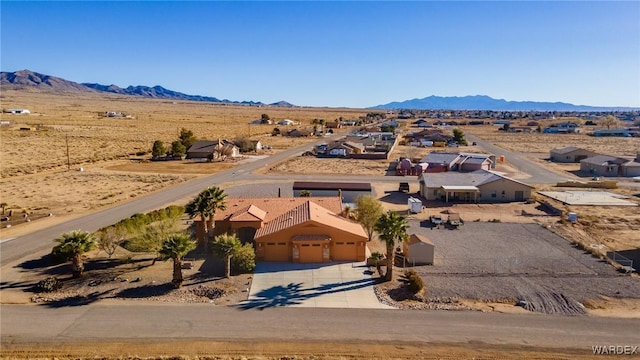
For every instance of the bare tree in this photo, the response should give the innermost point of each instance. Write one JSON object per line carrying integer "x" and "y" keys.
{"x": 111, "y": 238}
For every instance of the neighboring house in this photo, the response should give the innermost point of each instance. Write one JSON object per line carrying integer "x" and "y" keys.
{"x": 521, "y": 129}
{"x": 428, "y": 134}
{"x": 418, "y": 250}
{"x": 604, "y": 165}
{"x": 257, "y": 145}
{"x": 293, "y": 229}
{"x": 476, "y": 186}
{"x": 570, "y": 154}
{"x": 345, "y": 148}
{"x": 19, "y": 111}
{"x": 333, "y": 125}
{"x": 299, "y": 133}
{"x": 616, "y": 132}
{"x": 563, "y": 128}
{"x": 209, "y": 149}
{"x": 285, "y": 122}
{"x": 444, "y": 161}
{"x": 348, "y": 191}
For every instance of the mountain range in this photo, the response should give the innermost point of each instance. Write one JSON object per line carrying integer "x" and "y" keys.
{"x": 26, "y": 79}
{"x": 483, "y": 102}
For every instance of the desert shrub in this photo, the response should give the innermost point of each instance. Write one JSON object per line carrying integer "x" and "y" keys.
{"x": 59, "y": 255}
{"x": 48, "y": 285}
{"x": 243, "y": 259}
{"x": 495, "y": 220}
{"x": 414, "y": 281}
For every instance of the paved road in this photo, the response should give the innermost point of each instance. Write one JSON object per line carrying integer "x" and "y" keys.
{"x": 112, "y": 322}
{"x": 539, "y": 174}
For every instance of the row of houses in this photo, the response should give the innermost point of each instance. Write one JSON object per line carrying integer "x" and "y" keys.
{"x": 595, "y": 164}
{"x": 362, "y": 145}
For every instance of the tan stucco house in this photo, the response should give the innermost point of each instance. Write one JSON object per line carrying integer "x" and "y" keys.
{"x": 476, "y": 186}
{"x": 297, "y": 229}
{"x": 570, "y": 154}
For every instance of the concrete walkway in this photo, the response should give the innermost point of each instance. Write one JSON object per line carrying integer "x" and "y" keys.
{"x": 336, "y": 285}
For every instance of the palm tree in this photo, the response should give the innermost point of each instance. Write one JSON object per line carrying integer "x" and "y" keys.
{"x": 72, "y": 245}
{"x": 391, "y": 227}
{"x": 205, "y": 205}
{"x": 175, "y": 247}
{"x": 224, "y": 246}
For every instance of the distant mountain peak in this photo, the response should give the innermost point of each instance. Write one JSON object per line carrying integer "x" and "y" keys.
{"x": 485, "y": 102}
{"x": 26, "y": 79}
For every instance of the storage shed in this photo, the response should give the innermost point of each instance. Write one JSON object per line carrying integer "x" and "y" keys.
{"x": 418, "y": 250}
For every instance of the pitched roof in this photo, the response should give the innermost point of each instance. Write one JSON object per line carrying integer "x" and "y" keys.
{"x": 273, "y": 207}
{"x": 565, "y": 150}
{"x": 416, "y": 239}
{"x": 203, "y": 145}
{"x": 309, "y": 211}
{"x": 605, "y": 160}
{"x": 440, "y": 158}
{"x": 249, "y": 213}
{"x": 454, "y": 178}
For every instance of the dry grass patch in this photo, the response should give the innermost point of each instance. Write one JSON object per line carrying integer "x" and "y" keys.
{"x": 62, "y": 192}
{"x": 544, "y": 143}
{"x": 95, "y": 138}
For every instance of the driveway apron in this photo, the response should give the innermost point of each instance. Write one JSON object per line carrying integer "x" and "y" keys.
{"x": 336, "y": 285}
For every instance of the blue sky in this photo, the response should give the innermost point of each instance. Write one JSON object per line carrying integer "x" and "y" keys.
{"x": 354, "y": 54}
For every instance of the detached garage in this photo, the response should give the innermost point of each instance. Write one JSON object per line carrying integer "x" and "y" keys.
{"x": 418, "y": 250}
{"x": 310, "y": 233}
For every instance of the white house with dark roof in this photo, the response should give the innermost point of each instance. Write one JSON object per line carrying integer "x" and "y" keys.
{"x": 444, "y": 161}
{"x": 475, "y": 186}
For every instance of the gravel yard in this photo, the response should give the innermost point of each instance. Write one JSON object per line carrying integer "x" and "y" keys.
{"x": 501, "y": 261}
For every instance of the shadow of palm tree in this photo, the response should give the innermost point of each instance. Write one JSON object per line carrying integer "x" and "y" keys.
{"x": 145, "y": 291}
{"x": 29, "y": 286}
{"x": 276, "y": 296}
{"x": 293, "y": 294}
{"x": 78, "y": 300}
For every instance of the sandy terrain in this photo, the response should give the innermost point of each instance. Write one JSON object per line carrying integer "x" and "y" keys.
{"x": 544, "y": 143}
{"x": 93, "y": 137}
{"x": 64, "y": 193}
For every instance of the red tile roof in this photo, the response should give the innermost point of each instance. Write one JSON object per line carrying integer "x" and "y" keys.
{"x": 274, "y": 207}
{"x": 310, "y": 211}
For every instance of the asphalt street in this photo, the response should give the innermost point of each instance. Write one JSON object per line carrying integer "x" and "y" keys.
{"x": 539, "y": 174}
{"x": 134, "y": 322}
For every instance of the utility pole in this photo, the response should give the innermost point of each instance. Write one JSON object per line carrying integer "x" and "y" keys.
{"x": 66, "y": 139}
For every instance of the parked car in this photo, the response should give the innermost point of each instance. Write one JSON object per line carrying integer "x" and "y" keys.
{"x": 404, "y": 186}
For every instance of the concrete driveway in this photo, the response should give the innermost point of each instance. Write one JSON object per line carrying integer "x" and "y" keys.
{"x": 335, "y": 285}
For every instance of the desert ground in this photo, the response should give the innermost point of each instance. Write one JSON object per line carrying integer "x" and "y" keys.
{"x": 37, "y": 176}
{"x": 111, "y": 153}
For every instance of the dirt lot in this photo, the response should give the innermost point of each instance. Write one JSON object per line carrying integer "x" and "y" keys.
{"x": 542, "y": 144}
{"x": 34, "y": 174}
{"x": 499, "y": 262}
